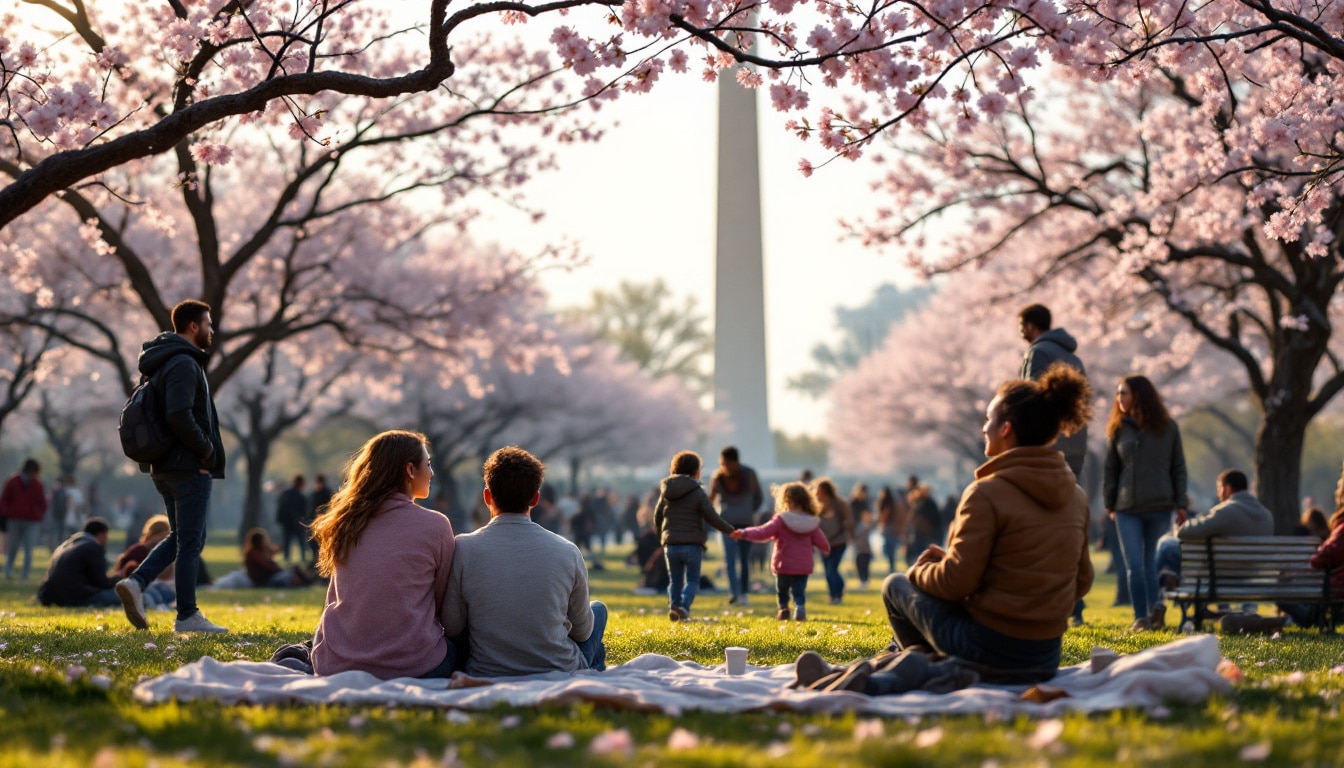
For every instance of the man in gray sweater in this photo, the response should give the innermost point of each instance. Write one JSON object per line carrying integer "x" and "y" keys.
{"x": 518, "y": 591}
{"x": 1238, "y": 513}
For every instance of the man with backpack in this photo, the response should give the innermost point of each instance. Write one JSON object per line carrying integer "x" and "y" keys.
{"x": 193, "y": 456}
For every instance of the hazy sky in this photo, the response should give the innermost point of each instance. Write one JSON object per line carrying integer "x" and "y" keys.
{"x": 641, "y": 205}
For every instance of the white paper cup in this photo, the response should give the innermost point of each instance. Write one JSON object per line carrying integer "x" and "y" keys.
{"x": 735, "y": 660}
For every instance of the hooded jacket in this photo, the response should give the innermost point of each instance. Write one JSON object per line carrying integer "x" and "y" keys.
{"x": 795, "y": 534}
{"x": 1058, "y": 346}
{"x": 1017, "y": 552}
{"x": 682, "y": 511}
{"x": 187, "y": 408}
{"x": 1331, "y": 555}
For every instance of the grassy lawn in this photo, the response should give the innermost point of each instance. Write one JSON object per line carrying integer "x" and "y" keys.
{"x": 1286, "y": 712}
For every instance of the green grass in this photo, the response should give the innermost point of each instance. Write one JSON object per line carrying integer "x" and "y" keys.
{"x": 47, "y": 720}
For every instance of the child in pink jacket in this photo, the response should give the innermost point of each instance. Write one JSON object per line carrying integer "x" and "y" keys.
{"x": 795, "y": 531}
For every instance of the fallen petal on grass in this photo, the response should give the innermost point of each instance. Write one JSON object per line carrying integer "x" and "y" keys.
{"x": 560, "y": 740}
{"x": 1047, "y": 733}
{"x": 1255, "y": 753}
{"x": 681, "y": 738}
{"x": 617, "y": 742}
{"x": 928, "y": 737}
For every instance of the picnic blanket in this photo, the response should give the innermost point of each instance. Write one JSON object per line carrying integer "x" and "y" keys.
{"x": 1180, "y": 671}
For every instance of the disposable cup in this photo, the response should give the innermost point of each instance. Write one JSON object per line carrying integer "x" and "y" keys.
{"x": 735, "y": 659}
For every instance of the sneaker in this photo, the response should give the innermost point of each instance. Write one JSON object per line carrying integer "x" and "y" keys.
{"x": 809, "y": 668}
{"x": 1141, "y": 625}
{"x": 133, "y": 602}
{"x": 197, "y": 623}
{"x": 800, "y": 614}
{"x": 783, "y": 614}
{"x": 742, "y": 600}
{"x": 733, "y": 600}
{"x": 1157, "y": 618}
{"x": 835, "y": 600}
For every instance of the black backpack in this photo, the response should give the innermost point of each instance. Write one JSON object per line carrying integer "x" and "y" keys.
{"x": 143, "y": 431}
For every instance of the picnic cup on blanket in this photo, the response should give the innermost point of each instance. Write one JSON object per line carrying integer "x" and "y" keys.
{"x": 735, "y": 660}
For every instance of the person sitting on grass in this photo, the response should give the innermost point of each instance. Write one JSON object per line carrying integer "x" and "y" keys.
{"x": 78, "y": 577}
{"x": 795, "y": 531}
{"x": 680, "y": 516}
{"x": 518, "y": 594}
{"x": 259, "y": 562}
{"x": 1017, "y": 560}
{"x": 389, "y": 560}
{"x": 155, "y": 529}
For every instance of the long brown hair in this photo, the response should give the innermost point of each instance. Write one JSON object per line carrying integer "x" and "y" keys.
{"x": 373, "y": 475}
{"x": 1148, "y": 411}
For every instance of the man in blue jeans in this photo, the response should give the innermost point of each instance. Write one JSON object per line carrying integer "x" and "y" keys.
{"x": 736, "y": 495}
{"x": 175, "y": 362}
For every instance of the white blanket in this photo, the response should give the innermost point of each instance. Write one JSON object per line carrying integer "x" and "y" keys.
{"x": 1181, "y": 671}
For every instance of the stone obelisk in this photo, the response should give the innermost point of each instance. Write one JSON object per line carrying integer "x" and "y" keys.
{"x": 740, "y": 387}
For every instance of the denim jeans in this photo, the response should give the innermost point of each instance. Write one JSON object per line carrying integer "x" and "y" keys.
{"x": 835, "y": 583}
{"x": 594, "y": 652}
{"x": 186, "y": 500}
{"x": 795, "y": 584}
{"x": 683, "y": 572}
{"x": 296, "y": 536}
{"x": 1139, "y": 532}
{"x": 22, "y": 533}
{"x": 918, "y": 618}
{"x": 737, "y": 564}
{"x": 891, "y": 545}
{"x": 1169, "y": 554}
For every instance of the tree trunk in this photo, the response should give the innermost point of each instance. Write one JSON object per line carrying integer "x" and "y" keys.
{"x": 1278, "y": 462}
{"x": 574, "y": 464}
{"x": 448, "y": 486}
{"x": 257, "y": 450}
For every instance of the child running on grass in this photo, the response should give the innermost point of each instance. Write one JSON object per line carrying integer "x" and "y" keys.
{"x": 795, "y": 531}
{"x": 680, "y": 517}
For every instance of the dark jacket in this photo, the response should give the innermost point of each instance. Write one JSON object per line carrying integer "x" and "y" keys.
{"x": 291, "y": 511}
{"x": 78, "y": 571}
{"x": 187, "y": 408}
{"x": 1144, "y": 471}
{"x": 1057, "y": 346}
{"x": 682, "y": 511}
{"x": 738, "y": 507}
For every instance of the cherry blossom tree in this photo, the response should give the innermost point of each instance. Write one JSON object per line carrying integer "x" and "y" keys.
{"x": 1186, "y": 194}
{"x": 924, "y": 392}
{"x": 584, "y": 403}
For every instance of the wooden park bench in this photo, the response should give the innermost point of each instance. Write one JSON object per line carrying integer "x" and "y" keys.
{"x": 1251, "y": 569}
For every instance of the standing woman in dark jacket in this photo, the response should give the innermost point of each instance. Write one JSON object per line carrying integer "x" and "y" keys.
{"x": 1143, "y": 481}
{"x": 837, "y": 524}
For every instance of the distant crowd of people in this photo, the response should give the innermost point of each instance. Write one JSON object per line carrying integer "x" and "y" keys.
{"x": 992, "y": 579}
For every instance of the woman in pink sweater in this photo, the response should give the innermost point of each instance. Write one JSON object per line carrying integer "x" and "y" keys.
{"x": 388, "y": 559}
{"x": 795, "y": 531}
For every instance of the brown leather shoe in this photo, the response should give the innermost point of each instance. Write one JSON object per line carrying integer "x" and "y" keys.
{"x": 1141, "y": 625}
{"x": 1157, "y": 618}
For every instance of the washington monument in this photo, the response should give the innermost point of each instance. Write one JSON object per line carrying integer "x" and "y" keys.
{"x": 740, "y": 396}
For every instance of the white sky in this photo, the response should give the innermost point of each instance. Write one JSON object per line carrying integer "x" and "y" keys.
{"x": 641, "y": 205}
